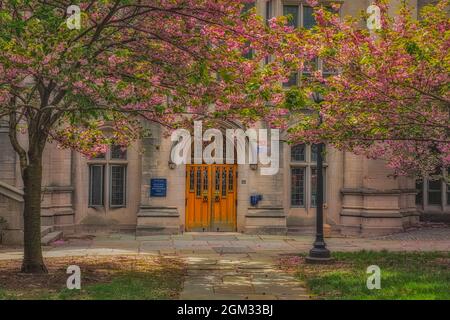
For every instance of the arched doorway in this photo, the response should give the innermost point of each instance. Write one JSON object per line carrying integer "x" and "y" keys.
{"x": 211, "y": 194}
{"x": 211, "y": 197}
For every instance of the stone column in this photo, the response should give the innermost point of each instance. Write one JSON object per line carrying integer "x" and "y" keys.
{"x": 160, "y": 215}
{"x": 374, "y": 202}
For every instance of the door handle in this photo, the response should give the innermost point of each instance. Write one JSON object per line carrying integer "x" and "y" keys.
{"x": 205, "y": 198}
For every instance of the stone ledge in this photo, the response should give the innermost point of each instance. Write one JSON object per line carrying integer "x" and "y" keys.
{"x": 275, "y": 230}
{"x": 375, "y": 192}
{"x": 157, "y": 220}
{"x": 155, "y": 230}
{"x": 266, "y": 221}
{"x": 146, "y": 211}
{"x": 11, "y": 192}
{"x": 57, "y": 189}
{"x": 51, "y": 213}
{"x": 265, "y": 213}
{"x": 369, "y": 214}
{"x": 364, "y": 232}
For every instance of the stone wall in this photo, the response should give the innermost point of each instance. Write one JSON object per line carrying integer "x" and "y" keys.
{"x": 11, "y": 206}
{"x": 373, "y": 201}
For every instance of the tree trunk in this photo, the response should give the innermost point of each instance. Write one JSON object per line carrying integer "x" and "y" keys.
{"x": 32, "y": 179}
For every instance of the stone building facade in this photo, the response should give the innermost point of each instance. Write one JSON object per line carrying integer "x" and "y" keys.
{"x": 141, "y": 189}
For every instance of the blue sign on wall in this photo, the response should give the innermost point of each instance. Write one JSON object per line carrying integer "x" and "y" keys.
{"x": 158, "y": 187}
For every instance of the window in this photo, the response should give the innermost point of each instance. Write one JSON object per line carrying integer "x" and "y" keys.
{"x": 298, "y": 152}
{"x": 434, "y": 192}
{"x": 224, "y": 183}
{"x": 191, "y": 180}
{"x": 248, "y": 53}
{"x": 118, "y": 152}
{"x": 108, "y": 172}
{"x": 327, "y": 70}
{"x": 118, "y": 178}
{"x": 199, "y": 182}
{"x": 269, "y": 12}
{"x": 100, "y": 156}
{"x": 303, "y": 16}
{"x": 419, "y": 190}
{"x": 248, "y": 6}
{"x": 96, "y": 185}
{"x": 304, "y": 176}
{"x": 292, "y": 80}
{"x": 308, "y": 17}
{"x": 230, "y": 180}
{"x": 298, "y": 187}
{"x": 292, "y": 12}
{"x": 314, "y": 153}
{"x": 310, "y": 67}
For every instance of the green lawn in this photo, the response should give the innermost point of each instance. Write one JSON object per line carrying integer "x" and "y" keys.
{"x": 404, "y": 275}
{"x": 102, "y": 279}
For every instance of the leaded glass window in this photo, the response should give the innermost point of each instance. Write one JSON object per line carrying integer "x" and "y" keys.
{"x": 96, "y": 181}
{"x": 118, "y": 152}
{"x": 118, "y": 185}
{"x": 292, "y": 12}
{"x": 298, "y": 187}
{"x": 298, "y": 152}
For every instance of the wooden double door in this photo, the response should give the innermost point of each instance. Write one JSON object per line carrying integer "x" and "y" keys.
{"x": 211, "y": 197}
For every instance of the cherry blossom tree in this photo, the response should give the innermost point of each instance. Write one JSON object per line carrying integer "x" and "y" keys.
{"x": 389, "y": 95}
{"x": 163, "y": 61}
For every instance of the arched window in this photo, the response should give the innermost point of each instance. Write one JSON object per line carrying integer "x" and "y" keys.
{"x": 112, "y": 164}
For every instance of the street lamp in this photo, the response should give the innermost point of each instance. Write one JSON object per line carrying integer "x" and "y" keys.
{"x": 319, "y": 253}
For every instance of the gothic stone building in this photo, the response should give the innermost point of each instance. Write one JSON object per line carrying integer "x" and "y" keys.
{"x": 141, "y": 189}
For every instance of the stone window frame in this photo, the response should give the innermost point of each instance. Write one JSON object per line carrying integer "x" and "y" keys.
{"x": 308, "y": 164}
{"x": 107, "y": 161}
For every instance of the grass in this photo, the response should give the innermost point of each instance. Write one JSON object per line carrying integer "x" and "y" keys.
{"x": 128, "y": 286}
{"x": 404, "y": 275}
{"x": 102, "y": 278}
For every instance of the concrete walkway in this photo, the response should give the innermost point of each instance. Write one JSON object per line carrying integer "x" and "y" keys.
{"x": 239, "y": 277}
{"x": 232, "y": 265}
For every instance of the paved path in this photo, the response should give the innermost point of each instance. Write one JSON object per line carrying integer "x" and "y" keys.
{"x": 232, "y": 265}
{"x": 239, "y": 277}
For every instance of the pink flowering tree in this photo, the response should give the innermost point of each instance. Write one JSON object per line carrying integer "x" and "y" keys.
{"x": 389, "y": 96}
{"x": 163, "y": 61}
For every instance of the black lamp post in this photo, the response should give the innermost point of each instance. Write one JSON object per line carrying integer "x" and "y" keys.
{"x": 319, "y": 253}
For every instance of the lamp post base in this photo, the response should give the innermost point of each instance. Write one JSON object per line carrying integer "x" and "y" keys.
{"x": 319, "y": 255}
{"x": 312, "y": 260}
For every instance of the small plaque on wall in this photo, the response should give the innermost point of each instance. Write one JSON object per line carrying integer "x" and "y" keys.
{"x": 158, "y": 187}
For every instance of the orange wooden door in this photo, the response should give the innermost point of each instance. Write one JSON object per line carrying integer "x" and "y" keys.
{"x": 211, "y": 197}
{"x": 224, "y": 198}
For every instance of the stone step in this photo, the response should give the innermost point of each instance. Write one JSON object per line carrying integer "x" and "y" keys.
{"x": 46, "y": 230}
{"x": 50, "y": 237}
